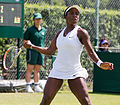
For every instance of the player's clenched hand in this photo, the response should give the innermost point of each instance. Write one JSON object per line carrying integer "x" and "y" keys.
{"x": 106, "y": 66}
{"x": 27, "y": 44}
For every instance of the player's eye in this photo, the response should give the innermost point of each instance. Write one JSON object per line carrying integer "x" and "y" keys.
{"x": 74, "y": 13}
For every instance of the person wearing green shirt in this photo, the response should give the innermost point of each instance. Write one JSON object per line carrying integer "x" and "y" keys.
{"x": 36, "y": 34}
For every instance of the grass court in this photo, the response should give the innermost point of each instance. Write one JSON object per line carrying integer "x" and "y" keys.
{"x": 62, "y": 98}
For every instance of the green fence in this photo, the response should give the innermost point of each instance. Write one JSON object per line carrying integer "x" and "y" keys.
{"x": 105, "y": 80}
{"x": 52, "y": 11}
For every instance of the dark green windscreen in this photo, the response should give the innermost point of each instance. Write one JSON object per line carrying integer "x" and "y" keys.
{"x": 104, "y": 80}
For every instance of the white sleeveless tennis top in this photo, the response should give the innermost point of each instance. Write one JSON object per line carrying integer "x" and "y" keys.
{"x": 67, "y": 63}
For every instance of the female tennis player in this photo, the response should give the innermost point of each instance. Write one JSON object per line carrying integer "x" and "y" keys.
{"x": 69, "y": 42}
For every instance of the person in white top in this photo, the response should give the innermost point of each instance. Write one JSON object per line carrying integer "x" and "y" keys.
{"x": 69, "y": 42}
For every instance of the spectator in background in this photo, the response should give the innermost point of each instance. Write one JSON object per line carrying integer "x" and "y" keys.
{"x": 36, "y": 34}
{"x": 104, "y": 45}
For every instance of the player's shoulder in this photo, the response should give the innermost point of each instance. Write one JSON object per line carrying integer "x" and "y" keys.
{"x": 82, "y": 33}
{"x": 59, "y": 31}
{"x": 82, "y": 30}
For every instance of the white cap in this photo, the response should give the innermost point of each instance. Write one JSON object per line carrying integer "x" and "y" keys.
{"x": 74, "y": 6}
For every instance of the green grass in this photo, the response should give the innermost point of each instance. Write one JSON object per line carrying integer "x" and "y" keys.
{"x": 62, "y": 98}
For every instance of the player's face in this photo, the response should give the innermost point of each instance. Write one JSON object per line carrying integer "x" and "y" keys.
{"x": 72, "y": 16}
{"x": 37, "y": 21}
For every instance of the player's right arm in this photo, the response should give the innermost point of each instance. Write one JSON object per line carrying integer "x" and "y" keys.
{"x": 45, "y": 50}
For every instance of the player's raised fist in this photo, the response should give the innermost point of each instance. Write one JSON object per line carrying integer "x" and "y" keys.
{"x": 106, "y": 66}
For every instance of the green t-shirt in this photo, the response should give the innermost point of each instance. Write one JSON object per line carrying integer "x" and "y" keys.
{"x": 37, "y": 37}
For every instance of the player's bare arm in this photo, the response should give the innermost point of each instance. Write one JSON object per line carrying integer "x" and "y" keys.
{"x": 85, "y": 40}
{"x": 45, "y": 50}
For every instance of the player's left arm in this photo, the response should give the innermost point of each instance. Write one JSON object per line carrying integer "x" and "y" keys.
{"x": 85, "y": 40}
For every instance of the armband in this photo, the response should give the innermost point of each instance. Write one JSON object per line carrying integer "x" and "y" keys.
{"x": 99, "y": 62}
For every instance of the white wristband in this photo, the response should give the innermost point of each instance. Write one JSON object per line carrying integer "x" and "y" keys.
{"x": 99, "y": 62}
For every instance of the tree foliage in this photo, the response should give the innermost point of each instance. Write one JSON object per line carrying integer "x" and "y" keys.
{"x": 53, "y": 21}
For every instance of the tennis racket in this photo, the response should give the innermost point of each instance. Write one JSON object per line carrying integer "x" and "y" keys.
{"x": 10, "y": 57}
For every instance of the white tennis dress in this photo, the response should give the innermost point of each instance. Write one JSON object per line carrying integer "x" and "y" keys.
{"x": 67, "y": 63}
